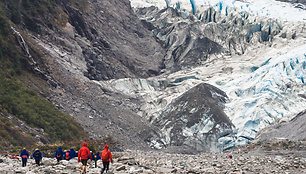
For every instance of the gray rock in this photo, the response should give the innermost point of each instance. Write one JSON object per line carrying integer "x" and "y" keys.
{"x": 120, "y": 168}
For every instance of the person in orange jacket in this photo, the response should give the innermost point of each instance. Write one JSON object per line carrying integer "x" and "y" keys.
{"x": 106, "y": 157}
{"x": 83, "y": 154}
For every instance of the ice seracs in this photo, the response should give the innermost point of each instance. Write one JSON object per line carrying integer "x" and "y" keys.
{"x": 271, "y": 8}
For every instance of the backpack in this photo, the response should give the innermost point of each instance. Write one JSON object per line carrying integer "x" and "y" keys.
{"x": 36, "y": 155}
{"x": 67, "y": 155}
{"x": 105, "y": 156}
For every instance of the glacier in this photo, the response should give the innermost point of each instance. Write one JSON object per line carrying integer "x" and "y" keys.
{"x": 268, "y": 95}
{"x": 271, "y": 8}
{"x": 265, "y": 82}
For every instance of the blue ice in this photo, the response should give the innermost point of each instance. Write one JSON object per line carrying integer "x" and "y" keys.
{"x": 177, "y": 6}
{"x": 220, "y": 4}
{"x": 167, "y": 3}
{"x": 251, "y": 123}
{"x": 266, "y": 62}
{"x": 254, "y": 68}
{"x": 193, "y": 6}
{"x": 291, "y": 64}
{"x": 250, "y": 104}
{"x": 302, "y": 79}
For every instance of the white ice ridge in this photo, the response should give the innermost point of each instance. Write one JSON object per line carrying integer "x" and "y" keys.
{"x": 268, "y": 94}
{"x": 270, "y": 8}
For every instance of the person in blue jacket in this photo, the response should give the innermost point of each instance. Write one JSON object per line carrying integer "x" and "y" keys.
{"x": 72, "y": 153}
{"x": 98, "y": 155}
{"x": 67, "y": 155}
{"x": 37, "y": 155}
{"x": 59, "y": 154}
{"x": 24, "y": 157}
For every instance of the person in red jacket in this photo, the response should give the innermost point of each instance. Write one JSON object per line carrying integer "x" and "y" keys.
{"x": 83, "y": 154}
{"x": 106, "y": 156}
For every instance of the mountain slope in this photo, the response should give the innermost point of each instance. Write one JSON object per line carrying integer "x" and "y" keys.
{"x": 26, "y": 117}
{"x": 102, "y": 40}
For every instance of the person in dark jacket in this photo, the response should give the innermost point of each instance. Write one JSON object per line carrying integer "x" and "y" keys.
{"x": 106, "y": 157}
{"x": 24, "y": 157}
{"x": 98, "y": 155}
{"x": 83, "y": 155}
{"x": 67, "y": 155}
{"x": 37, "y": 155}
{"x": 72, "y": 153}
{"x": 95, "y": 157}
{"x": 59, "y": 154}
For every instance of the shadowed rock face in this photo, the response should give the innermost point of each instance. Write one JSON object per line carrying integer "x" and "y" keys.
{"x": 196, "y": 119}
{"x": 120, "y": 45}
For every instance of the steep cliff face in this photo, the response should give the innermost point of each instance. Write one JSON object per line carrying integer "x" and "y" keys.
{"x": 121, "y": 46}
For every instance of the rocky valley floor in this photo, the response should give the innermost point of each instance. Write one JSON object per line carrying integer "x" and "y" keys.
{"x": 248, "y": 162}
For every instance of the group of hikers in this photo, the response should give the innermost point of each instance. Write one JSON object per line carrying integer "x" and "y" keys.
{"x": 84, "y": 154}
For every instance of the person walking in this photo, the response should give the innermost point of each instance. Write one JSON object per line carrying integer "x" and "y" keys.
{"x": 72, "y": 153}
{"x": 106, "y": 157}
{"x": 24, "y": 157}
{"x": 67, "y": 155}
{"x": 83, "y": 155}
{"x": 37, "y": 155}
{"x": 59, "y": 154}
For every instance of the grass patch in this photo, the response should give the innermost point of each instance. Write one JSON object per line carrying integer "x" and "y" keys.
{"x": 28, "y": 106}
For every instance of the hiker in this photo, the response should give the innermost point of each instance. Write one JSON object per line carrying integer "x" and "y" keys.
{"x": 72, "y": 153}
{"x": 37, "y": 155}
{"x": 14, "y": 157}
{"x": 67, "y": 155}
{"x": 83, "y": 155}
{"x": 98, "y": 155}
{"x": 59, "y": 154}
{"x": 95, "y": 158}
{"x": 106, "y": 157}
{"x": 24, "y": 157}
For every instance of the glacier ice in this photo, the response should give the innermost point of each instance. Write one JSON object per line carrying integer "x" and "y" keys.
{"x": 268, "y": 94}
{"x": 264, "y": 85}
{"x": 271, "y": 8}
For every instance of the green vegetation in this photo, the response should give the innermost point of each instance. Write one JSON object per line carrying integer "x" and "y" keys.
{"x": 36, "y": 111}
{"x": 15, "y": 99}
{"x": 50, "y": 12}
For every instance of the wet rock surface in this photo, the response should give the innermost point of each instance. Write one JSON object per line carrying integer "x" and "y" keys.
{"x": 159, "y": 162}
